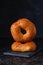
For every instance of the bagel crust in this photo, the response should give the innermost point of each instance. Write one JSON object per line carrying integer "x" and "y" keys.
{"x": 28, "y": 26}
{"x": 19, "y": 47}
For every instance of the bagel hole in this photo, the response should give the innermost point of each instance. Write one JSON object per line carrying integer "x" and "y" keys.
{"x": 23, "y": 31}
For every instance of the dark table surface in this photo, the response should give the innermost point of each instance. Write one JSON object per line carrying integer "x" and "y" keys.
{"x": 35, "y": 60}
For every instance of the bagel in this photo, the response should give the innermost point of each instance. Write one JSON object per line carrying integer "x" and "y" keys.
{"x": 28, "y": 46}
{"x": 25, "y": 24}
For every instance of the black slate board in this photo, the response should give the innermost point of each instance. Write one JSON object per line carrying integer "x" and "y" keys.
{"x": 8, "y": 52}
{"x": 20, "y": 54}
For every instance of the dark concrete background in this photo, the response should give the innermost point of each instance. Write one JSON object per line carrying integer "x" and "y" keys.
{"x": 12, "y": 10}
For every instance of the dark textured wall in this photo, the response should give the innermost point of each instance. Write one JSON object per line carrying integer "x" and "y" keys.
{"x": 11, "y": 10}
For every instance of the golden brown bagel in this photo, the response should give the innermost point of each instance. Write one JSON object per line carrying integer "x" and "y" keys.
{"x": 28, "y": 46}
{"x": 26, "y": 25}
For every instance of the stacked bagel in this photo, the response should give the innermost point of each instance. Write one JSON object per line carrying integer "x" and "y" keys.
{"x": 23, "y": 42}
